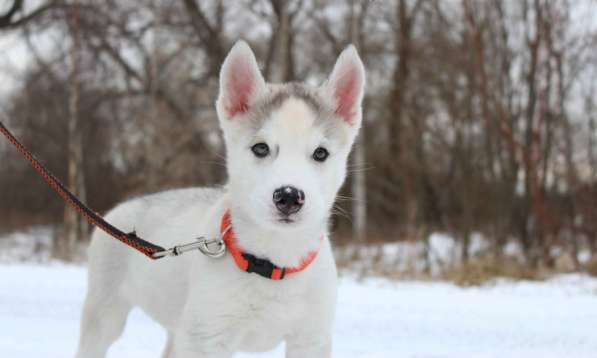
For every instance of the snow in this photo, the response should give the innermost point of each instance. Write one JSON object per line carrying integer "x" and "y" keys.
{"x": 40, "y": 304}
{"x": 409, "y": 258}
{"x": 31, "y": 244}
{"x": 443, "y": 252}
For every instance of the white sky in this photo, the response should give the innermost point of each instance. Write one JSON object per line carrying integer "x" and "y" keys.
{"x": 13, "y": 56}
{"x": 13, "y": 61}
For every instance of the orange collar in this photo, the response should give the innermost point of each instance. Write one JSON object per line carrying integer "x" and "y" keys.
{"x": 250, "y": 263}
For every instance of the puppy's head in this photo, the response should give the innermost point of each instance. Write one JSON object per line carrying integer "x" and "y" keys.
{"x": 287, "y": 145}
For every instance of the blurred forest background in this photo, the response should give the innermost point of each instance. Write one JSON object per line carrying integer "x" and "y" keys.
{"x": 479, "y": 117}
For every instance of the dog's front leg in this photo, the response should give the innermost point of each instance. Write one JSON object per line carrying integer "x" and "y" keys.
{"x": 309, "y": 346}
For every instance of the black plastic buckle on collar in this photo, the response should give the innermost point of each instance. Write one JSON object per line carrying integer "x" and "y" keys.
{"x": 261, "y": 267}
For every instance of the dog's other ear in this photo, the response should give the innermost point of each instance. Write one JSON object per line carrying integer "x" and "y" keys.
{"x": 241, "y": 81}
{"x": 347, "y": 84}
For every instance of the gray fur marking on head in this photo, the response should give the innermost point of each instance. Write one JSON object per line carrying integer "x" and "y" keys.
{"x": 262, "y": 110}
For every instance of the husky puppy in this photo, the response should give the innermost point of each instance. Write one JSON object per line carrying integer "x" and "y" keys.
{"x": 287, "y": 148}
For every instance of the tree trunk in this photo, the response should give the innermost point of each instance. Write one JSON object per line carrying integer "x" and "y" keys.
{"x": 75, "y": 228}
{"x": 359, "y": 180}
{"x": 279, "y": 63}
{"x": 402, "y": 137}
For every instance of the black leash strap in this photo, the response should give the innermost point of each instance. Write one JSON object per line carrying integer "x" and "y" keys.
{"x": 131, "y": 239}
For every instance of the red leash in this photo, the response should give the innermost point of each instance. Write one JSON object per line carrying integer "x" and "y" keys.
{"x": 131, "y": 239}
{"x": 244, "y": 261}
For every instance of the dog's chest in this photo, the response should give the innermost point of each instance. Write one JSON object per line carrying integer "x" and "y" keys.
{"x": 270, "y": 311}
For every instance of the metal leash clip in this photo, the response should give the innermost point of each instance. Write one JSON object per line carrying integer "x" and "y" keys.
{"x": 202, "y": 244}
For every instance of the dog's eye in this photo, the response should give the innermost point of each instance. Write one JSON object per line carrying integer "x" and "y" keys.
{"x": 320, "y": 154}
{"x": 260, "y": 150}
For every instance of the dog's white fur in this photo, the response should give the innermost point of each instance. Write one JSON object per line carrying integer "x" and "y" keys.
{"x": 209, "y": 307}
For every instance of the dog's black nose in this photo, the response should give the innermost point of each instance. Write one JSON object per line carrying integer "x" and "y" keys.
{"x": 288, "y": 199}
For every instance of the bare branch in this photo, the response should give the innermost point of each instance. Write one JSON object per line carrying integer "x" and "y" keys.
{"x": 209, "y": 35}
{"x": 7, "y": 21}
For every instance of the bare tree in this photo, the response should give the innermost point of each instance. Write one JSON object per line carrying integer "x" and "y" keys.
{"x": 359, "y": 184}
{"x": 279, "y": 65}
{"x": 472, "y": 120}
{"x": 75, "y": 228}
{"x": 11, "y": 20}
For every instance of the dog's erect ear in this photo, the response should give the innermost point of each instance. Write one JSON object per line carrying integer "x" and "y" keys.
{"x": 347, "y": 84}
{"x": 241, "y": 81}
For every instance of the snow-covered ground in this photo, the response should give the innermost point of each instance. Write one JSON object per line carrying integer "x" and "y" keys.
{"x": 397, "y": 259}
{"x": 442, "y": 253}
{"x": 40, "y": 304}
